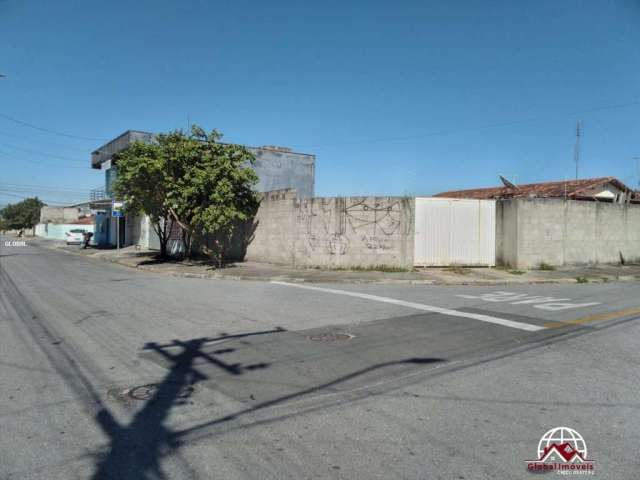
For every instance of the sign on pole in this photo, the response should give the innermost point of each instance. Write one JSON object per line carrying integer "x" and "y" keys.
{"x": 116, "y": 209}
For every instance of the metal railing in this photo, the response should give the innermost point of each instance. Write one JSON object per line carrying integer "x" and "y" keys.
{"x": 99, "y": 193}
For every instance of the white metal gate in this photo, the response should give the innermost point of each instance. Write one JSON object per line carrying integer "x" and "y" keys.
{"x": 451, "y": 231}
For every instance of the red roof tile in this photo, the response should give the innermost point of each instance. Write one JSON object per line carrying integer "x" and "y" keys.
{"x": 83, "y": 221}
{"x": 568, "y": 188}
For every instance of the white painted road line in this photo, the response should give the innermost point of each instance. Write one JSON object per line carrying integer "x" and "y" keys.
{"x": 419, "y": 306}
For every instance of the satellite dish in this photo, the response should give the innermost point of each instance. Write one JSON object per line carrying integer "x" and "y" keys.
{"x": 507, "y": 183}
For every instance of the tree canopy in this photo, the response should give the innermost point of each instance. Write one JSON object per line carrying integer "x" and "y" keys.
{"x": 22, "y": 215}
{"x": 204, "y": 186}
{"x": 142, "y": 182}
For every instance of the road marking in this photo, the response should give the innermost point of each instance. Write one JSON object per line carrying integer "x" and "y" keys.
{"x": 543, "y": 303}
{"x": 419, "y": 306}
{"x": 599, "y": 317}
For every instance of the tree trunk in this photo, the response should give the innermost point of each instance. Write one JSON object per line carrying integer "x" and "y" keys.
{"x": 160, "y": 227}
{"x": 187, "y": 243}
{"x": 163, "y": 248}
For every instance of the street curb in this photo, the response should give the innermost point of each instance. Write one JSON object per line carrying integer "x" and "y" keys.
{"x": 353, "y": 281}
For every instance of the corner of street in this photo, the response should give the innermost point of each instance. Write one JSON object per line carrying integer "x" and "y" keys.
{"x": 137, "y": 374}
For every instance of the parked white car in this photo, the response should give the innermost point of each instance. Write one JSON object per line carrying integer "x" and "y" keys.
{"x": 75, "y": 236}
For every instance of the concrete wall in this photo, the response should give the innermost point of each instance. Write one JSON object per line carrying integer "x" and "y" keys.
{"x": 284, "y": 170}
{"x": 59, "y": 214}
{"x": 559, "y": 232}
{"x": 57, "y": 231}
{"x": 333, "y": 232}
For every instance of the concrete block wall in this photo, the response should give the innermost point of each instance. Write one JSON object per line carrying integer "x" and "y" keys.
{"x": 506, "y": 232}
{"x": 566, "y": 232}
{"x": 59, "y": 214}
{"x": 333, "y": 231}
{"x": 275, "y": 229}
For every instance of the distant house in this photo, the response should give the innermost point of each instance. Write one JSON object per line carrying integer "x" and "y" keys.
{"x": 66, "y": 214}
{"x": 604, "y": 189}
{"x": 56, "y": 222}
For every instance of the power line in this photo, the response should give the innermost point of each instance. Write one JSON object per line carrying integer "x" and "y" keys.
{"x": 470, "y": 129}
{"x": 46, "y": 130}
{"x": 46, "y": 142}
{"x": 45, "y": 192}
{"x": 20, "y": 185}
{"x": 45, "y": 154}
{"x": 60, "y": 202}
{"x": 42, "y": 163}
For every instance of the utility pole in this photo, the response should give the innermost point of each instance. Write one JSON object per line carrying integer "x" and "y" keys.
{"x": 576, "y": 150}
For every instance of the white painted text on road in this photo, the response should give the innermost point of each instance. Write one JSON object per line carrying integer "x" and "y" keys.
{"x": 543, "y": 303}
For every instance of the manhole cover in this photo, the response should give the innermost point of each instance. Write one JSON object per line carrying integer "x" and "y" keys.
{"x": 143, "y": 392}
{"x": 331, "y": 337}
{"x": 147, "y": 392}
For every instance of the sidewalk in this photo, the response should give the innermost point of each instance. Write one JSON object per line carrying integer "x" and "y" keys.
{"x": 145, "y": 260}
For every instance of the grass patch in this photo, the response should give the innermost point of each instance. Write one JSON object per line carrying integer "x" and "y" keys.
{"x": 517, "y": 272}
{"x": 582, "y": 280}
{"x": 457, "y": 270}
{"x": 545, "y": 266}
{"x": 372, "y": 268}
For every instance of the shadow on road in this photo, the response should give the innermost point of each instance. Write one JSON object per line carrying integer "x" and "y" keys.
{"x": 135, "y": 450}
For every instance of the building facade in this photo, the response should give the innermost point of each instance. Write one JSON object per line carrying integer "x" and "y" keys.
{"x": 276, "y": 167}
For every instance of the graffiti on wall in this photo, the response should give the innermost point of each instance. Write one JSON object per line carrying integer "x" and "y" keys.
{"x": 318, "y": 227}
{"x": 373, "y": 242}
{"x": 336, "y": 244}
{"x": 377, "y": 217}
{"x": 328, "y": 223}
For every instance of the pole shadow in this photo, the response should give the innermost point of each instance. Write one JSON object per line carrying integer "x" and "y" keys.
{"x": 135, "y": 450}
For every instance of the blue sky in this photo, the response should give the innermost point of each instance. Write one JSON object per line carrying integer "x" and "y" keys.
{"x": 409, "y": 97}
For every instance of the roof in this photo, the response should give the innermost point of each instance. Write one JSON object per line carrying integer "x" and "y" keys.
{"x": 83, "y": 221}
{"x": 106, "y": 151}
{"x": 566, "y": 188}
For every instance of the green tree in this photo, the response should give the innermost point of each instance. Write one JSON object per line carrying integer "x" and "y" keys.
{"x": 22, "y": 215}
{"x": 142, "y": 183}
{"x": 205, "y": 186}
{"x": 212, "y": 191}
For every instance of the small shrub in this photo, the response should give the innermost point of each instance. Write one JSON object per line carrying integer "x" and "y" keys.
{"x": 517, "y": 272}
{"x": 380, "y": 268}
{"x": 582, "y": 280}
{"x": 545, "y": 266}
{"x": 369, "y": 268}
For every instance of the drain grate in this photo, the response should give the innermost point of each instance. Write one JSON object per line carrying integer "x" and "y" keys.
{"x": 147, "y": 392}
{"x": 331, "y": 337}
{"x": 143, "y": 392}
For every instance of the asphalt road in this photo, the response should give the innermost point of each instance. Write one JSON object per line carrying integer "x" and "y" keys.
{"x": 107, "y": 372}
